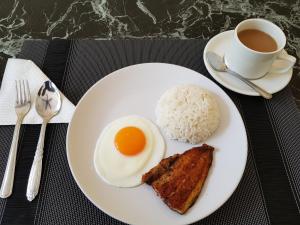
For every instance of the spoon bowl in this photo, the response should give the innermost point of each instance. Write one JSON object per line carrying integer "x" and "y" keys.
{"x": 48, "y": 100}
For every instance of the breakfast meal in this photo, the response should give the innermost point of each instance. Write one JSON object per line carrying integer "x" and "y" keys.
{"x": 130, "y": 150}
{"x": 178, "y": 179}
{"x": 126, "y": 149}
{"x": 188, "y": 113}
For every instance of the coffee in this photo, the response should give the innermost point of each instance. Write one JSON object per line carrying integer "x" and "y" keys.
{"x": 257, "y": 40}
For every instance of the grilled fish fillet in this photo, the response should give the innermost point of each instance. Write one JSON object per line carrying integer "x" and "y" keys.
{"x": 178, "y": 179}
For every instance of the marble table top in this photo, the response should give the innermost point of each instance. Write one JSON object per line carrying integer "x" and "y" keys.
{"x": 109, "y": 19}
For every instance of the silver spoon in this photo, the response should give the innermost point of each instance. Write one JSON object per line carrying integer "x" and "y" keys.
{"x": 218, "y": 64}
{"x": 47, "y": 104}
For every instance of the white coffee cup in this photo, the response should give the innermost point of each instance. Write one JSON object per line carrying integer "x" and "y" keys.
{"x": 252, "y": 64}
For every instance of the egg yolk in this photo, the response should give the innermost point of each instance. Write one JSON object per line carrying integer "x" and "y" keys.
{"x": 130, "y": 141}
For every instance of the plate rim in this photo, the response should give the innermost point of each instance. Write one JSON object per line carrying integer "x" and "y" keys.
{"x": 226, "y": 84}
{"x": 114, "y": 73}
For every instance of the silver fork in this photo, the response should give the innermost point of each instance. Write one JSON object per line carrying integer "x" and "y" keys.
{"x": 22, "y": 106}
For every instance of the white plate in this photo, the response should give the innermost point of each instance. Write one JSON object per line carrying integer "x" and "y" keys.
{"x": 135, "y": 90}
{"x": 271, "y": 82}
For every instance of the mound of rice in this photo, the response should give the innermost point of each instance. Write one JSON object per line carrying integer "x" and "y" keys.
{"x": 187, "y": 113}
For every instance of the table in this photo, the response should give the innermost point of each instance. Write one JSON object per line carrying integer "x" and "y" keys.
{"x": 128, "y": 19}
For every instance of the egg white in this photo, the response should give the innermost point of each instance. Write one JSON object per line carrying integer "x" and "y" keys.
{"x": 118, "y": 169}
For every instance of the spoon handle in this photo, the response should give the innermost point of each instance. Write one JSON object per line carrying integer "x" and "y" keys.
{"x": 36, "y": 168}
{"x": 258, "y": 89}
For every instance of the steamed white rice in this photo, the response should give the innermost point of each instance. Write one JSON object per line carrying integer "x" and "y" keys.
{"x": 188, "y": 113}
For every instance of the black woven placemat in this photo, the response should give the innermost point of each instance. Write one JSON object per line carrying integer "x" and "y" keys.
{"x": 269, "y": 192}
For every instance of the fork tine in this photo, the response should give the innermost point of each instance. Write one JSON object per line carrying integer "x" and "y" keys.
{"x": 21, "y": 91}
{"x": 17, "y": 92}
{"x": 27, "y": 92}
{"x": 24, "y": 92}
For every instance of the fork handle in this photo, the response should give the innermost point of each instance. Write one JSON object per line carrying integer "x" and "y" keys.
{"x": 8, "y": 179}
{"x": 36, "y": 168}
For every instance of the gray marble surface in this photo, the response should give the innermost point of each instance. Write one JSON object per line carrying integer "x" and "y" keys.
{"x": 109, "y": 19}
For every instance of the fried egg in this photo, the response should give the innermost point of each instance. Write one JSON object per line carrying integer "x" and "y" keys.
{"x": 126, "y": 149}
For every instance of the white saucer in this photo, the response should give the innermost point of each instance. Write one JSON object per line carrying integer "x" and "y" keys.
{"x": 271, "y": 82}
